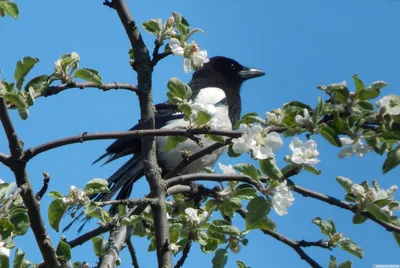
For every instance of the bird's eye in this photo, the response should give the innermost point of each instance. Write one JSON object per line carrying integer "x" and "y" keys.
{"x": 233, "y": 67}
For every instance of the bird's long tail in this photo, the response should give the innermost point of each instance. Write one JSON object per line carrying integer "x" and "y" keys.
{"x": 122, "y": 180}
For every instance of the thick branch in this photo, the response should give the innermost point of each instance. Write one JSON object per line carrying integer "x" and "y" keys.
{"x": 32, "y": 152}
{"x": 294, "y": 245}
{"x": 129, "y": 202}
{"x": 19, "y": 169}
{"x": 338, "y": 203}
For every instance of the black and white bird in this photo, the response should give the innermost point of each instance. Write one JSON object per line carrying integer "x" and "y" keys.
{"x": 218, "y": 83}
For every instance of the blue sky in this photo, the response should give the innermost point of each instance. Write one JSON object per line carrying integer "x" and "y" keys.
{"x": 299, "y": 44}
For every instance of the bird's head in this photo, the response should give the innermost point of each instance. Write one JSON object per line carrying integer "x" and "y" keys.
{"x": 224, "y": 73}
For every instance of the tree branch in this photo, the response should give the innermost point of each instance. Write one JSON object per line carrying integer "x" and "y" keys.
{"x": 338, "y": 203}
{"x": 129, "y": 202}
{"x": 185, "y": 179}
{"x": 12, "y": 199}
{"x": 294, "y": 245}
{"x": 4, "y": 158}
{"x": 132, "y": 251}
{"x": 45, "y": 186}
{"x": 320, "y": 243}
{"x": 152, "y": 171}
{"x": 32, "y": 152}
{"x": 185, "y": 254}
{"x": 89, "y": 235}
{"x": 18, "y": 167}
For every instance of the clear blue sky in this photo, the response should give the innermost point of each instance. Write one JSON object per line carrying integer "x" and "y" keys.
{"x": 299, "y": 44}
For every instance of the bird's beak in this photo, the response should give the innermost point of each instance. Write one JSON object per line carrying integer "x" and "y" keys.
{"x": 249, "y": 73}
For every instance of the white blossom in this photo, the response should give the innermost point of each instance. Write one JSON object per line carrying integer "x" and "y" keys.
{"x": 57, "y": 67}
{"x": 304, "y": 120}
{"x": 353, "y": 147}
{"x": 194, "y": 217}
{"x": 227, "y": 170}
{"x": 187, "y": 65}
{"x": 1, "y": 181}
{"x": 304, "y": 153}
{"x": 75, "y": 195}
{"x": 274, "y": 117}
{"x": 176, "y": 47}
{"x": 174, "y": 247}
{"x": 357, "y": 190}
{"x": 199, "y": 57}
{"x": 255, "y": 140}
{"x": 391, "y": 103}
{"x": 282, "y": 199}
{"x": 3, "y": 250}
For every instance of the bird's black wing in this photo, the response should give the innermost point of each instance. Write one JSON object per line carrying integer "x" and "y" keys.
{"x": 126, "y": 146}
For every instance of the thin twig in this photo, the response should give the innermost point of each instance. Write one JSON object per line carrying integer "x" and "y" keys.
{"x": 132, "y": 251}
{"x": 338, "y": 203}
{"x": 185, "y": 253}
{"x": 294, "y": 245}
{"x": 43, "y": 190}
{"x": 320, "y": 243}
{"x": 32, "y": 152}
{"x": 185, "y": 179}
{"x": 89, "y": 235}
{"x": 18, "y": 167}
{"x": 12, "y": 199}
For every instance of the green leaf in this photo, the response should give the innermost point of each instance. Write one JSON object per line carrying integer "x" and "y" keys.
{"x": 6, "y": 228}
{"x": 256, "y": 217}
{"x": 337, "y": 123}
{"x": 193, "y": 31}
{"x": 16, "y": 99}
{"x": 55, "y": 194}
{"x": 152, "y": 26}
{"x": 220, "y": 258}
{"x": 173, "y": 141}
{"x": 378, "y": 212}
{"x": 89, "y": 75}
{"x": 397, "y": 237}
{"x": 99, "y": 245}
{"x": 368, "y": 94}
{"x": 359, "y": 84}
{"x": 179, "y": 89}
{"x": 359, "y": 219}
{"x": 318, "y": 111}
{"x": 23, "y": 68}
{"x": 269, "y": 168}
{"x": 63, "y": 251}
{"x": 312, "y": 169}
{"x": 346, "y": 264}
{"x": 363, "y": 106}
{"x": 174, "y": 235}
{"x": 245, "y": 191}
{"x": 352, "y": 248}
{"x": 96, "y": 186}
{"x": 249, "y": 118}
{"x": 378, "y": 85}
{"x": 39, "y": 83}
{"x": 203, "y": 117}
{"x": 325, "y": 227}
{"x": 19, "y": 260}
{"x": 392, "y": 160}
{"x": 56, "y": 211}
{"x": 332, "y": 263}
{"x": 30, "y": 97}
{"x": 224, "y": 228}
{"x": 4, "y": 260}
{"x": 23, "y": 113}
{"x": 249, "y": 170}
{"x": 20, "y": 222}
{"x": 241, "y": 264}
{"x": 10, "y": 8}
{"x": 340, "y": 93}
{"x": 330, "y": 135}
{"x": 345, "y": 183}
{"x": 212, "y": 244}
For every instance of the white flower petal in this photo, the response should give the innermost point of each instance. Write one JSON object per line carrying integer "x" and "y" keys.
{"x": 227, "y": 170}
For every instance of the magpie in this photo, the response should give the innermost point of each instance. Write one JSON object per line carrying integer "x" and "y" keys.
{"x": 217, "y": 82}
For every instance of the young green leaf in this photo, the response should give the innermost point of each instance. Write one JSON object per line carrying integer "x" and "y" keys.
{"x": 23, "y": 67}
{"x": 89, "y": 75}
{"x": 99, "y": 245}
{"x": 63, "y": 251}
{"x": 269, "y": 168}
{"x": 10, "y": 8}
{"x": 96, "y": 186}
{"x": 249, "y": 170}
{"x": 392, "y": 160}
{"x": 330, "y": 135}
{"x": 220, "y": 258}
{"x": 56, "y": 211}
{"x": 359, "y": 84}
